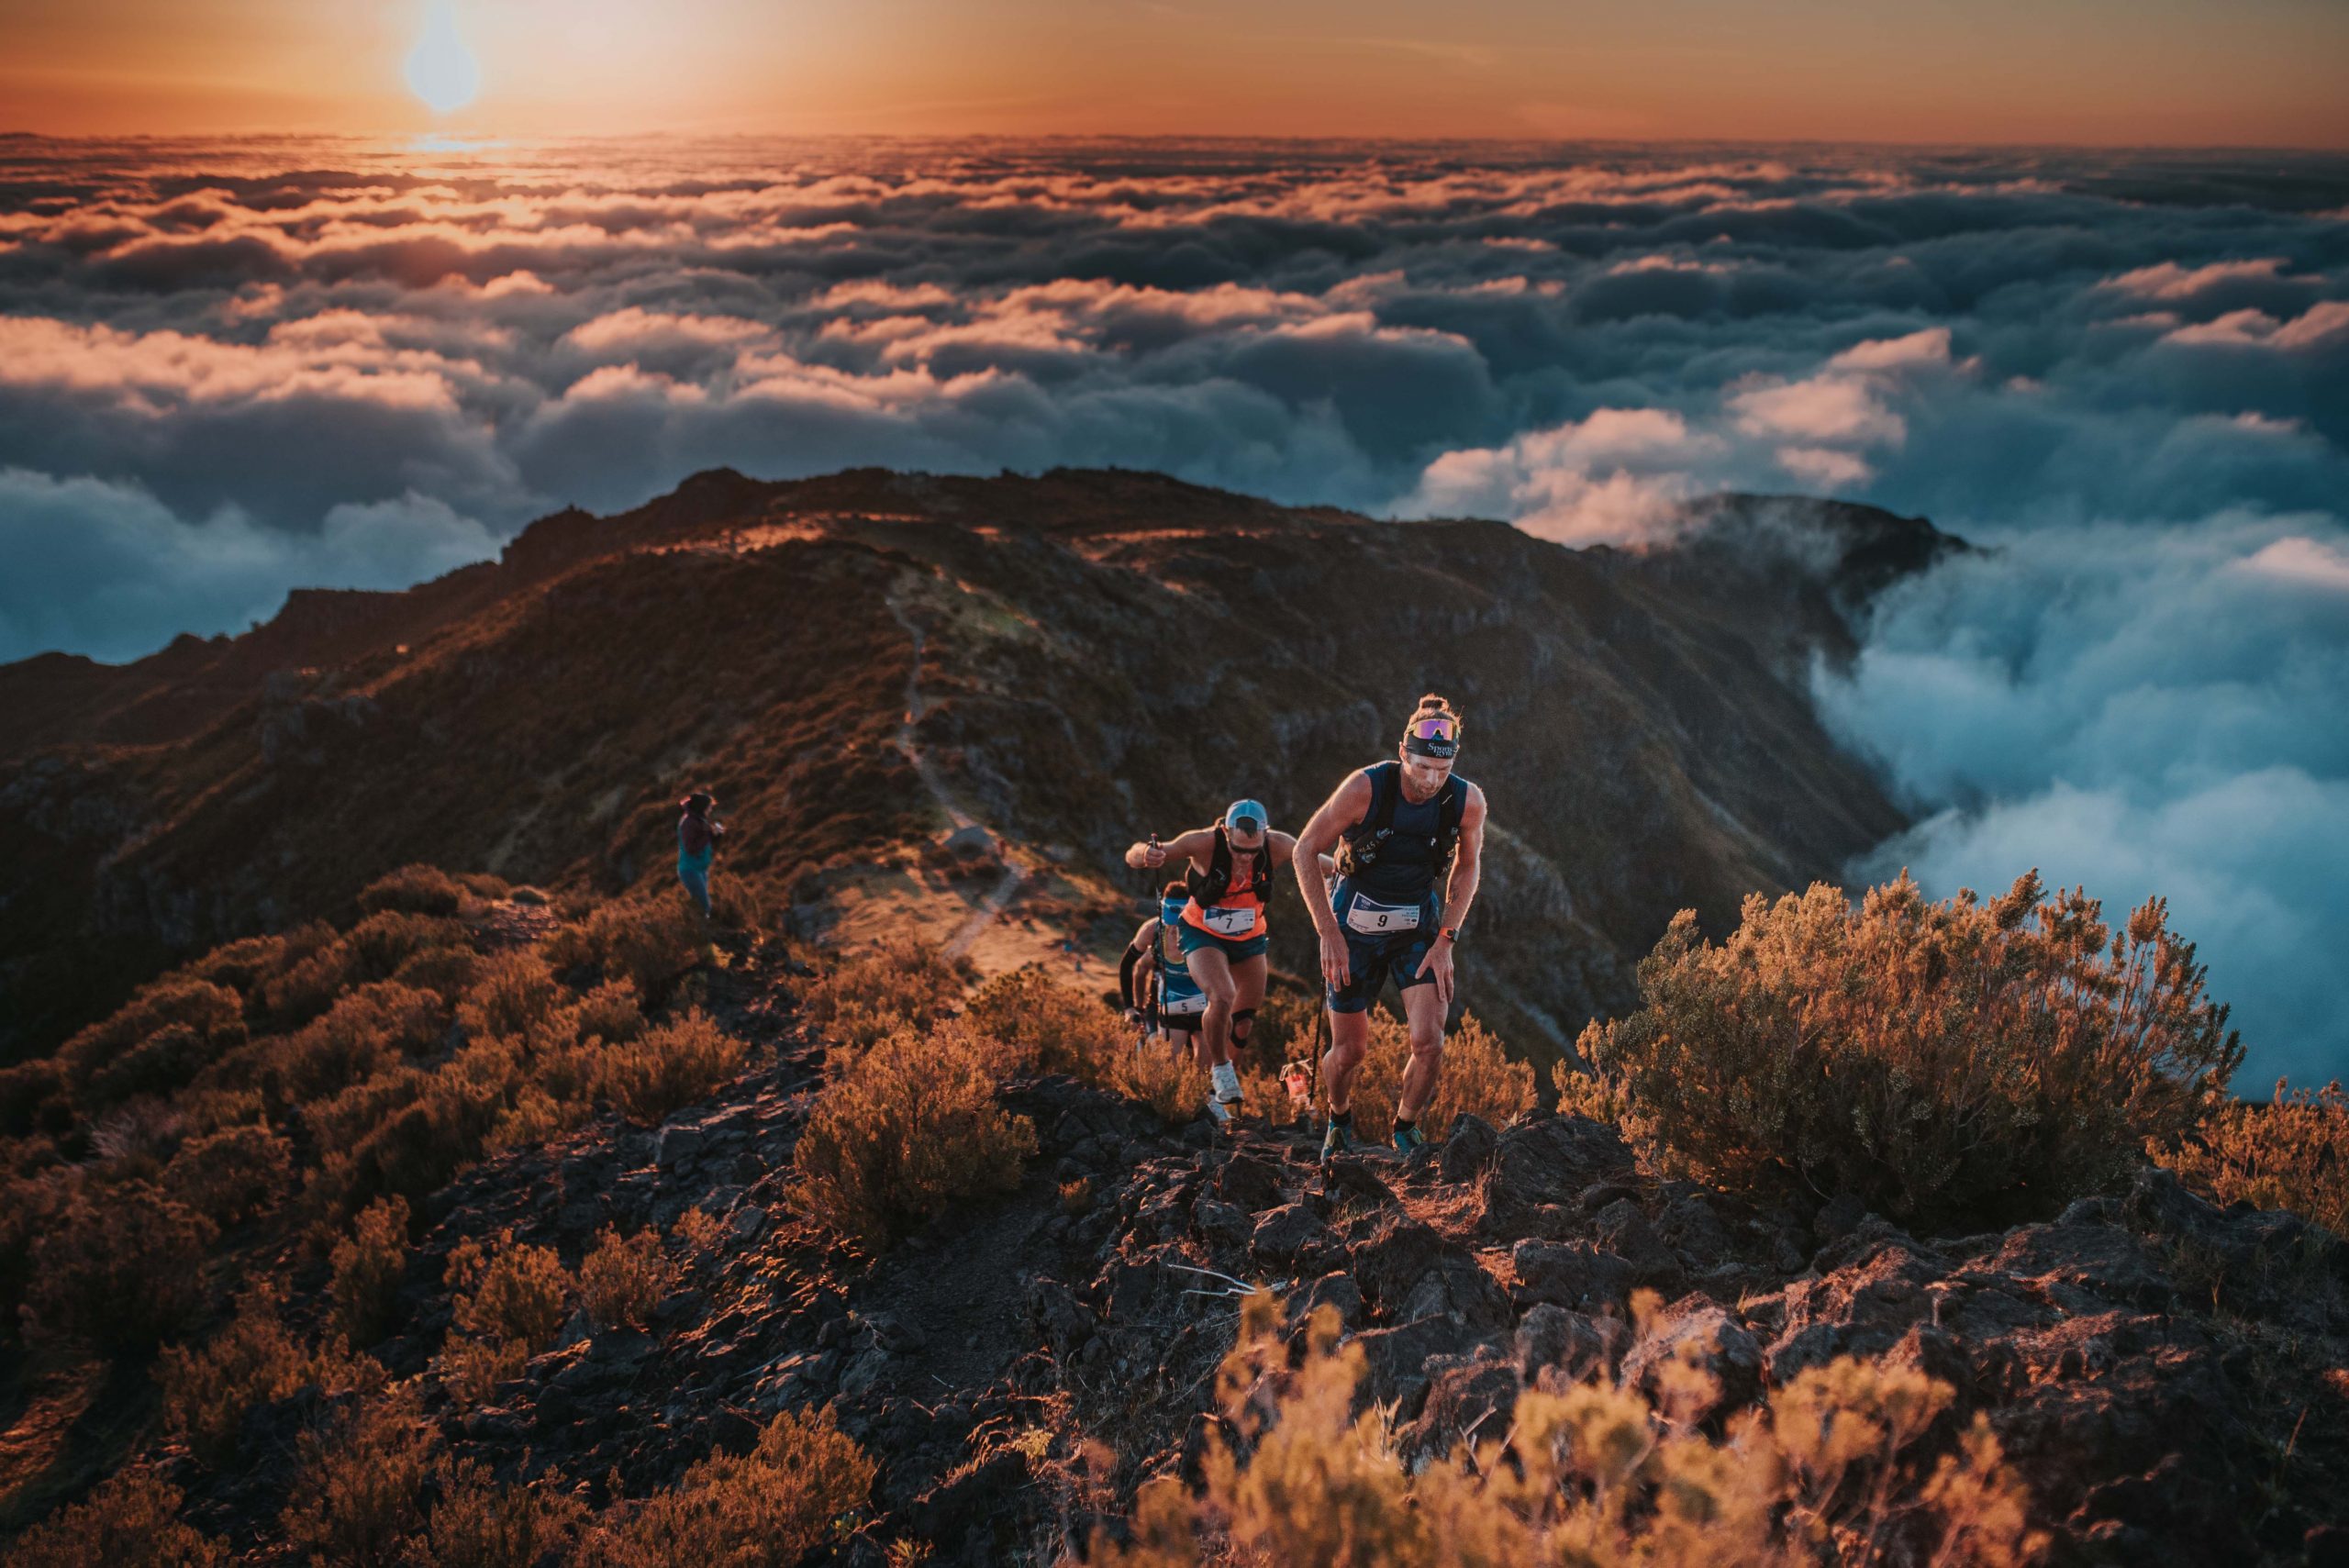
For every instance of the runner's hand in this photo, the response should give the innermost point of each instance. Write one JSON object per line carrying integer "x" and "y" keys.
{"x": 1335, "y": 969}
{"x": 1155, "y": 855}
{"x": 1437, "y": 966}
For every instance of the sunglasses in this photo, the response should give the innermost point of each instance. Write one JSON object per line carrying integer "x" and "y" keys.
{"x": 1435, "y": 728}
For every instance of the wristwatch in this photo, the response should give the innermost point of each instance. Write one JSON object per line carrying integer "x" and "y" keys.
{"x": 1449, "y": 934}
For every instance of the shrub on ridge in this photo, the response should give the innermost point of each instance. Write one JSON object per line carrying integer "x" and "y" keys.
{"x": 1944, "y": 1061}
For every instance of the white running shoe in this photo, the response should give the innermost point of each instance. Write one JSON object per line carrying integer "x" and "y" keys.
{"x": 1220, "y": 1109}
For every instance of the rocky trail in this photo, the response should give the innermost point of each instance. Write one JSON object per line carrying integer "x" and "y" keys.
{"x": 2122, "y": 1351}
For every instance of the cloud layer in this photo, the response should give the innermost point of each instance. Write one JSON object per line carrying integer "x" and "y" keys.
{"x": 227, "y": 369}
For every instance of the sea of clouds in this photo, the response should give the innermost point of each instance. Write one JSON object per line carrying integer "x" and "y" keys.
{"x": 227, "y": 369}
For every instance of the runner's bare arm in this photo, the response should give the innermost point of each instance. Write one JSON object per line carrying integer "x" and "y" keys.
{"x": 1468, "y": 866}
{"x": 1310, "y": 853}
{"x": 1196, "y": 844}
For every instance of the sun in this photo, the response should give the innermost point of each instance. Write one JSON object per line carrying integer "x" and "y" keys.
{"x": 441, "y": 69}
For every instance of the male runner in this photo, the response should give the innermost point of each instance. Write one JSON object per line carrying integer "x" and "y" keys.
{"x": 1406, "y": 827}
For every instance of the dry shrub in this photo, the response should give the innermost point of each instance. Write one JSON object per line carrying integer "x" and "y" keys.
{"x": 376, "y": 948}
{"x": 1946, "y": 1062}
{"x": 479, "y": 1523}
{"x": 446, "y": 973}
{"x": 650, "y": 943}
{"x": 157, "y": 1041}
{"x": 510, "y": 992}
{"x": 901, "y": 985}
{"x": 2292, "y": 1152}
{"x": 252, "y": 1361}
{"x": 697, "y": 1232}
{"x": 1591, "y": 1474}
{"x": 32, "y": 1097}
{"x": 129, "y": 1521}
{"x": 510, "y": 1307}
{"x": 769, "y": 1508}
{"x": 242, "y": 965}
{"x": 366, "y": 1031}
{"x": 367, "y": 1266}
{"x": 670, "y": 1067}
{"x": 413, "y": 890}
{"x": 231, "y": 1174}
{"x": 611, "y": 1013}
{"x": 515, "y": 1298}
{"x": 623, "y": 1279}
{"x": 122, "y": 1267}
{"x": 1478, "y": 1079}
{"x": 1032, "y": 1023}
{"x": 910, "y": 1126}
{"x": 357, "y": 1497}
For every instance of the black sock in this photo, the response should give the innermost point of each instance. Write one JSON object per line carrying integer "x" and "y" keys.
{"x": 1343, "y": 1118}
{"x": 1404, "y": 1124}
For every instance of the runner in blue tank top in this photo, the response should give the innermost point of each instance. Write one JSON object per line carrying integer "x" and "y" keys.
{"x": 1411, "y": 840}
{"x": 1156, "y": 978}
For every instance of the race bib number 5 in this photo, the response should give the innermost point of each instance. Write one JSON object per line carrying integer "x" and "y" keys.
{"x": 1380, "y": 919}
{"x": 1228, "y": 922}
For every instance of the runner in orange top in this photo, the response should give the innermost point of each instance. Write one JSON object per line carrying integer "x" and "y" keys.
{"x": 1221, "y": 930}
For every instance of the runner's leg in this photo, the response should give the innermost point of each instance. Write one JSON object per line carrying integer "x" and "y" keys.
{"x": 1212, "y": 970}
{"x": 1424, "y": 1013}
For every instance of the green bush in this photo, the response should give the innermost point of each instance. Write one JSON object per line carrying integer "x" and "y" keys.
{"x": 910, "y": 1127}
{"x": 1951, "y": 1061}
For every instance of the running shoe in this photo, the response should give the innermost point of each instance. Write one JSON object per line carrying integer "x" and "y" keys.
{"x": 1409, "y": 1141}
{"x": 1335, "y": 1140}
{"x": 1219, "y": 1108}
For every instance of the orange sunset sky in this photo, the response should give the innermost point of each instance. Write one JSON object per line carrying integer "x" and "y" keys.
{"x": 2112, "y": 72}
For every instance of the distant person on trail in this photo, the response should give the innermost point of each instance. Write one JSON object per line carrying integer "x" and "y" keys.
{"x": 1220, "y": 933}
{"x": 1160, "y": 994}
{"x": 1403, "y": 830}
{"x": 698, "y": 835}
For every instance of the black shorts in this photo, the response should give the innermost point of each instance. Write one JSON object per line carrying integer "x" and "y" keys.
{"x": 1372, "y": 956}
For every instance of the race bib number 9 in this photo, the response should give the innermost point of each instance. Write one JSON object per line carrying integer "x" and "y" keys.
{"x": 1228, "y": 922}
{"x": 1380, "y": 919}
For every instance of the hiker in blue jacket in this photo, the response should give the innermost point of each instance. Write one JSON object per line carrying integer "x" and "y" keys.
{"x": 698, "y": 835}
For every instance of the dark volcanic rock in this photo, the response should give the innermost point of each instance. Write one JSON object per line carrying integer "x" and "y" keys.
{"x": 1547, "y": 1160}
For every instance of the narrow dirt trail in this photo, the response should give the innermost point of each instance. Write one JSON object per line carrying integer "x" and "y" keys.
{"x": 1016, "y": 869}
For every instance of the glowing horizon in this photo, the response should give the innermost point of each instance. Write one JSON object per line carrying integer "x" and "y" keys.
{"x": 2186, "y": 72}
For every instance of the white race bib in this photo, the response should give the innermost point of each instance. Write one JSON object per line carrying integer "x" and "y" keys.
{"x": 1228, "y": 921}
{"x": 1183, "y": 1006}
{"x": 1380, "y": 919}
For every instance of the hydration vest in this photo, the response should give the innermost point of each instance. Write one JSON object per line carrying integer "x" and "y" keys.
{"x": 1211, "y": 885}
{"x": 1374, "y": 840}
{"x": 1170, "y": 951}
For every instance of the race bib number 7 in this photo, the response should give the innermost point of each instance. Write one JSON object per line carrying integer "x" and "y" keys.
{"x": 1228, "y": 922}
{"x": 1380, "y": 919}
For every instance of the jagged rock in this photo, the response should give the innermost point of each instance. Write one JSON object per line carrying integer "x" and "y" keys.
{"x": 1223, "y": 1224}
{"x": 1631, "y": 1236}
{"x": 1249, "y": 1183}
{"x": 1336, "y": 1289}
{"x": 1860, "y": 1309}
{"x": 1700, "y": 1333}
{"x": 1395, "y": 1361}
{"x": 1550, "y": 1335}
{"x": 1291, "y": 1234}
{"x": 1063, "y": 1318}
{"x": 679, "y": 1147}
{"x": 2081, "y": 1268}
{"x": 1547, "y": 1159}
{"x": 1573, "y": 1274}
{"x": 1468, "y": 1148}
{"x": 1468, "y": 1399}
{"x": 1837, "y": 1219}
{"x": 1393, "y": 1256}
